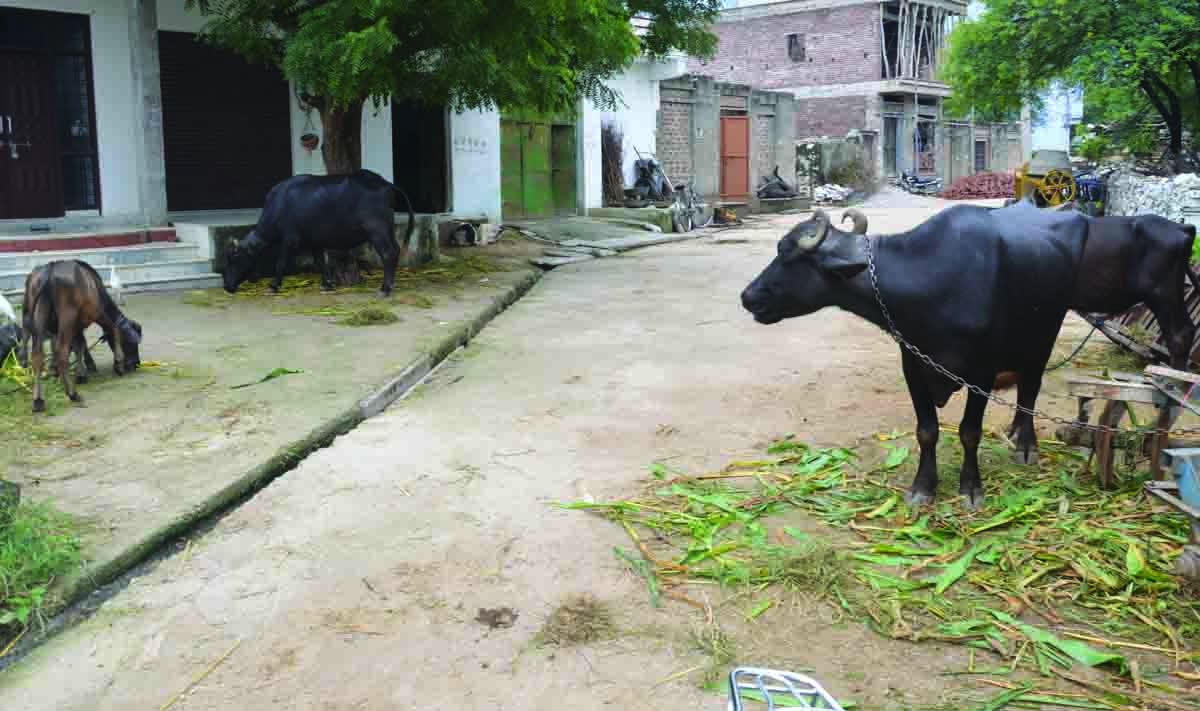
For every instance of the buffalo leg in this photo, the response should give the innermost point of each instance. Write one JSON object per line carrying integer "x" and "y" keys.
{"x": 37, "y": 360}
{"x": 88, "y": 361}
{"x": 79, "y": 347}
{"x": 62, "y": 356}
{"x": 118, "y": 349}
{"x": 318, "y": 255}
{"x": 1023, "y": 434}
{"x": 281, "y": 265}
{"x": 970, "y": 432}
{"x": 924, "y": 486}
{"x": 1177, "y": 327}
{"x": 384, "y": 241}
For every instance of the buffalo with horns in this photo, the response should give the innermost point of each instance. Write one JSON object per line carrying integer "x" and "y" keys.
{"x": 981, "y": 292}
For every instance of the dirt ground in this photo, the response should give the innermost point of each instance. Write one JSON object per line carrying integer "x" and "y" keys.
{"x": 375, "y": 574}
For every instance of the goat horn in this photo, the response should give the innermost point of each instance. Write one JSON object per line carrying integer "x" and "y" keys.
{"x": 807, "y": 244}
{"x": 860, "y": 221}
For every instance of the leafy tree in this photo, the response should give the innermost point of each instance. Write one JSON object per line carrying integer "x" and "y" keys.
{"x": 536, "y": 55}
{"x": 1131, "y": 52}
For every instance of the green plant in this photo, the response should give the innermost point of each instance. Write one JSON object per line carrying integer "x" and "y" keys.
{"x": 1095, "y": 148}
{"x": 39, "y": 545}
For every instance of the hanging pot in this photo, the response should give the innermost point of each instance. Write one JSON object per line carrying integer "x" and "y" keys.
{"x": 310, "y": 141}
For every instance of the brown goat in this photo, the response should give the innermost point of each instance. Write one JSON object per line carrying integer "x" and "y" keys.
{"x": 63, "y": 298}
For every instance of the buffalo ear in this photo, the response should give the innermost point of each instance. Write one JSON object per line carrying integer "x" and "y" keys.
{"x": 844, "y": 263}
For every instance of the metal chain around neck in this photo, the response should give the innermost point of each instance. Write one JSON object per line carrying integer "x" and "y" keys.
{"x": 899, "y": 338}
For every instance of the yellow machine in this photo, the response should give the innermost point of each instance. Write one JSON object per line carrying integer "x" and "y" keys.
{"x": 1048, "y": 177}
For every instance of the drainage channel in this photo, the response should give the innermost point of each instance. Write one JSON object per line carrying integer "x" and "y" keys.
{"x": 83, "y": 609}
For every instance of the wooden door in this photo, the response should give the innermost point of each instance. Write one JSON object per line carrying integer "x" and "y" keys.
{"x": 30, "y": 183}
{"x": 735, "y": 157}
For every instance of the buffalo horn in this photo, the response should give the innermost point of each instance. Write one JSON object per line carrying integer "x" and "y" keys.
{"x": 807, "y": 244}
{"x": 860, "y": 221}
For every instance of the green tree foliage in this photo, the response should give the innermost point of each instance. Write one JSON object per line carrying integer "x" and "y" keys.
{"x": 1130, "y": 54}
{"x": 534, "y": 55}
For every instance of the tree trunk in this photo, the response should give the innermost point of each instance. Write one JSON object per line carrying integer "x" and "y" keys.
{"x": 341, "y": 149}
{"x": 1166, "y": 102}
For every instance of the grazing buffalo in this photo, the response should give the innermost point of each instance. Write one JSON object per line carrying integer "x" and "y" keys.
{"x": 979, "y": 291}
{"x": 318, "y": 212}
{"x": 62, "y": 299}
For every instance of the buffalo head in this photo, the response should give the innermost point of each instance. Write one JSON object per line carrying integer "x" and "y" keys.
{"x": 812, "y": 260}
{"x": 241, "y": 260}
{"x": 130, "y": 333}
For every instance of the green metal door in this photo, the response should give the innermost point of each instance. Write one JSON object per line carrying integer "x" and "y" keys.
{"x": 562, "y": 161}
{"x": 537, "y": 168}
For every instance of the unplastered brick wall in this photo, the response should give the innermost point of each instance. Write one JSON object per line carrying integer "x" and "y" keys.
{"x": 833, "y": 117}
{"x": 674, "y": 134}
{"x": 841, "y": 46}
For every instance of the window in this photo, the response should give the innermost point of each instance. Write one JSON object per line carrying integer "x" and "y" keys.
{"x": 795, "y": 46}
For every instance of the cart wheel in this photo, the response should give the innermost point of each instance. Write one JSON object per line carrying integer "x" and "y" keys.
{"x": 1057, "y": 187}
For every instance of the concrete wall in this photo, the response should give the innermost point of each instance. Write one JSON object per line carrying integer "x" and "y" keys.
{"x": 1063, "y": 108}
{"x": 475, "y": 164}
{"x": 841, "y": 46}
{"x": 638, "y": 119}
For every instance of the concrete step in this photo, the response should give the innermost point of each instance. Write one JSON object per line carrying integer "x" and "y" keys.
{"x": 131, "y": 275}
{"x": 60, "y": 242}
{"x": 101, "y": 258}
{"x": 176, "y": 283}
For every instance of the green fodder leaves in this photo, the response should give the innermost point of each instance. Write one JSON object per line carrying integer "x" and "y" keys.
{"x": 1052, "y": 574}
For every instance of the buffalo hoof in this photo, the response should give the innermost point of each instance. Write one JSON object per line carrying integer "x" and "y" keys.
{"x": 76, "y": 398}
{"x": 81, "y": 379}
{"x": 972, "y": 497}
{"x": 39, "y": 405}
{"x": 917, "y": 499}
{"x": 1027, "y": 457}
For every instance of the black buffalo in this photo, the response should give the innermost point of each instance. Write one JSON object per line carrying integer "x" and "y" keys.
{"x": 1143, "y": 259}
{"x": 980, "y": 291}
{"x": 318, "y": 212}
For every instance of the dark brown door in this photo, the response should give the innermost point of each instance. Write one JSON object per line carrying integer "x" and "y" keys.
{"x": 30, "y": 182}
{"x": 735, "y": 157}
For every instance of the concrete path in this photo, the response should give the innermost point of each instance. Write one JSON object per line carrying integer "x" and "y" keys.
{"x": 151, "y": 453}
{"x": 355, "y": 581}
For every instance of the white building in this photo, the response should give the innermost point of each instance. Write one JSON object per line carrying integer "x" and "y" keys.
{"x": 120, "y": 118}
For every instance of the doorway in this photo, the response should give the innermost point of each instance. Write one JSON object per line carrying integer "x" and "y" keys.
{"x": 735, "y": 157}
{"x": 47, "y": 105}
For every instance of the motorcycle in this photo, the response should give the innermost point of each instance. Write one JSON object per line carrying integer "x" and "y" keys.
{"x": 920, "y": 186}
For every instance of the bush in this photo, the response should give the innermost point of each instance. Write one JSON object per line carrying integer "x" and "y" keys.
{"x": 851, "y": 174}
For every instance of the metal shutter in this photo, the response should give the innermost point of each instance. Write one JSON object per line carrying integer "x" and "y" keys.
{"x": 226, "y": 126}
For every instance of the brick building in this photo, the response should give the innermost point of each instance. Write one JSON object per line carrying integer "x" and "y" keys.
{"x": 866, "y": 67}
